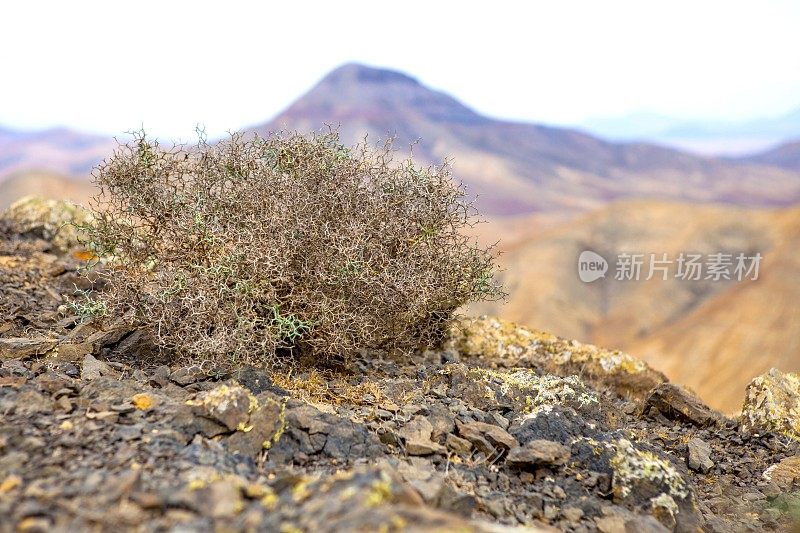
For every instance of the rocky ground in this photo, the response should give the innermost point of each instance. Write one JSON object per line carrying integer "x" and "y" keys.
{"x": 501, "y": 429}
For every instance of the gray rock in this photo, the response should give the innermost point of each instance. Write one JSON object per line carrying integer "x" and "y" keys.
{"x": 260, "y": 432}
{"x": 677, "y": 403}
{"x": 537, "y": 453}
{"x": 416, "y": 428}
{"x": 573, "y": 514}
{"x": 13, "y": 348}
{"x": 456, "y": 501}
{"x": 417, "y": 435}
{"x": 424, "y": 447}
{"x": 457, "y": 444}
{"x": 487, "y": 438}
{"x": 429, "y": 489}
{"x": 230, "y": 406}
{"x": 771, "y": 403}
{"x": 186, "y": 375}
{"x": 700, "y": 456}
{"x": 93, "y": 369}
{"x": 160, "y": 377}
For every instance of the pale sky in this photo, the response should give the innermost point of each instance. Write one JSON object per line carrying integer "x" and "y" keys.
{"x": 169, "y": 65}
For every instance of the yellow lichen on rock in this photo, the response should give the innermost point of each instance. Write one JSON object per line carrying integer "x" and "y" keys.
{"x": 10, "y": 483}
{"x": 229, "y": 405}
{"x": 534, "y": 392}
{"x": 268, "y": 443}
{"x": 142, "y": 401}
{"x": 504, "y": 343}
{"x": 380, "y": 491}
{"x": 56, "y": 221}
{"x": 772, "y": 403}
{"x": 631, "y": 464}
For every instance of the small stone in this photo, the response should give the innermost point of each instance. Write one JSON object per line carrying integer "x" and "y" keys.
{"x": 70, "y": 369}
{"x": 700, "y": 456}
{"x": 496, "y": 507}
{"x": 610, "y": 524}
{"x": 186, "y": 375}
{"x": 551, "y": 512}
{"x": 64, "y": 404}
{"x": 417, "y": 429}
{"x": 387, "y": 436}
{"x": 645, "y": 524}
{"x": 430, "y": 488}
{"x": 457, "y": 444}
{"x": 573, "y": 514}
{"x": 417, "y": 435}
{"x": 442, "y": 420}
{"x": 538, "y": 453}
{"x": 74, "y": 351}
{"x": 17, "y": 348}
{"x": 500, "y": 420}
{"x": 424, "y": 447}
{"x": 480, "y": 434}
{"x": 559, "y": 492}
{"x": 456, "y": 501}
{"x": 52, "y": 382}
{"x": 677, "y": 403}
{"x": 227, "y": 405}
{"x": 160, "y": 377}
{"x": 224, "y": 499}
{"x": 257, "y": 380}
{"x": 93, "y": 369}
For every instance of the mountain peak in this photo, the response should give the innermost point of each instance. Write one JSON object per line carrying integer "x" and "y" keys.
{"x": 391, "y": 102}
{"x": 350, "y": 73}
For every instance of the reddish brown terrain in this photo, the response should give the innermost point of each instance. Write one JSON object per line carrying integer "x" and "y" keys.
{"x": 711, "y": 335}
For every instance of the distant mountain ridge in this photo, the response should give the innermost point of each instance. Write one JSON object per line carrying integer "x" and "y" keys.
{"x": 58, "y": 150}
{"x": 785, "y": 156}
{"x": 518, "y": 168}
{"x": 723, "y": 138}
{"x": 514, "y": 168}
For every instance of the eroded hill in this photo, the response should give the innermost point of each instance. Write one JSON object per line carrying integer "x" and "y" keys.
{"x": 713, "y": 336}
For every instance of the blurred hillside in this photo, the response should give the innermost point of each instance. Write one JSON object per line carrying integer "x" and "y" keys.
{"x": 786, "y": 155}
{"x": 59, "y": 151}
{"x": 711, "y": 335}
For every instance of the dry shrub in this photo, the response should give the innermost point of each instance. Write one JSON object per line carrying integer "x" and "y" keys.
{"x": 231, "y": 252}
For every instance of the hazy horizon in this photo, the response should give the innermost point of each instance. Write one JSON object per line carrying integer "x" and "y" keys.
{"x": 171, "y": 67}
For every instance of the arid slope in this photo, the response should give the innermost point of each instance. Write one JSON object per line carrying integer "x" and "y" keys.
{"x": 711, "y": 335}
